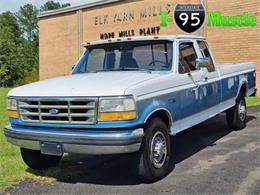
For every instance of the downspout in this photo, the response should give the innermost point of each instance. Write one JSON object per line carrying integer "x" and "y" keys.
{"x": 79, "y": 31}
{"x": 202, "y": 29}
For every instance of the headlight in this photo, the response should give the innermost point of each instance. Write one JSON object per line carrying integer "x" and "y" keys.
{"x": 12, "y": 108}
{"x": 116, "y": 109}
{"x": 11, "y": 104}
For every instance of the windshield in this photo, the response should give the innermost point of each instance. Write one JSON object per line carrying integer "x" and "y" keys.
{"x": 127, "y": 56}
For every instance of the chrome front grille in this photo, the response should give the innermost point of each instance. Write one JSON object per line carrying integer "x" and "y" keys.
{"x": 60, "y": 111}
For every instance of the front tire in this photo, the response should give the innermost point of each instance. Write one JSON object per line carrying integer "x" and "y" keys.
{"x": 156, "y": 155}
{"x": 35, "y": 160}
{"x": 236, "y": 116}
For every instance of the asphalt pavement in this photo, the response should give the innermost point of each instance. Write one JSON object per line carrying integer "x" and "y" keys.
{"x": 209, "y": 159}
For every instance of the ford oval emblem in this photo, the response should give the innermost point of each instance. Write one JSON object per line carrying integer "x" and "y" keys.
{"x": 54, "y": 111}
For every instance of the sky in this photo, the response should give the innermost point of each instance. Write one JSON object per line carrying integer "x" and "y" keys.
{"x": 14, "y": 5}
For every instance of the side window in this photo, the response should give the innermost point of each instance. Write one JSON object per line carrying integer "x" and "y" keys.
{"x": 205, "y": 53}
{"x": 187, "y": 57}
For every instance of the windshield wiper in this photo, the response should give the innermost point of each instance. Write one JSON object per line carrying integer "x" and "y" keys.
{"x": 131, "y": 69}
{"x": 118, "y": 69}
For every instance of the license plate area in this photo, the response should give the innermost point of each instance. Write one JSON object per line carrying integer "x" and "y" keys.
{"x": 49, "y": 148}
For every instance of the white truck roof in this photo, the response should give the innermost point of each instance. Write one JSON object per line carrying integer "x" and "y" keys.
{"x": 142, "y": 38}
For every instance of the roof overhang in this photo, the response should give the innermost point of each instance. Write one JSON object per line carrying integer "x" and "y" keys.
{"x": 93, "y": 3}
{"x": 142, "y": 38}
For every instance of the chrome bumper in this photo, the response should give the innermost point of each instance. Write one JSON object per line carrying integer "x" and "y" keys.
{"x": 77, "y": 141}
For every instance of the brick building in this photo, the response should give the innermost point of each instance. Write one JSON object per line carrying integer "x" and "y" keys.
{"x": 63, "y": 31}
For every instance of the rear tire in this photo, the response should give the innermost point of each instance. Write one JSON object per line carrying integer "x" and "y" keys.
{"x": 155, "y": 155}
{"x": 35, "y": 160}
{"x": 236, "y": 116}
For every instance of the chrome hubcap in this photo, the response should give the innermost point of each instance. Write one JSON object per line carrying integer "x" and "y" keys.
{"x": 158, "y": 149}
{"x": 242, "y": 110}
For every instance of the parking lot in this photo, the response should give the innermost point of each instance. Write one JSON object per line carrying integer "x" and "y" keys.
{"x": 208, "y": 159}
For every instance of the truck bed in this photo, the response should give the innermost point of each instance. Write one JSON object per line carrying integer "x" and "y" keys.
{"x": 230, "y": 69}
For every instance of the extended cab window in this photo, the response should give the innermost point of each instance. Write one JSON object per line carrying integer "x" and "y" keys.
{"x": 187, "y": 57}
{"x": 205, "y": 53}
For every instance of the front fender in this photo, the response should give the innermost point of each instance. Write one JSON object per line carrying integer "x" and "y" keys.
{"x": 147, "y": 108}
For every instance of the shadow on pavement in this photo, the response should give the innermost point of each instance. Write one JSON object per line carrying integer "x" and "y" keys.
{"x": 120, "y": 169}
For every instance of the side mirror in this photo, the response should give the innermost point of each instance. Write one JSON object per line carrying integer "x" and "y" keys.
{"x": 202, "y": 62}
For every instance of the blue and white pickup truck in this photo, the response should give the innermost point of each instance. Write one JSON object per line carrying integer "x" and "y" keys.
{"x": 128, "y": 95}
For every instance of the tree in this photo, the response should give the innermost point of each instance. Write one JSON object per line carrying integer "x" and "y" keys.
{"x": 51, "y": 5}
{"x": 19, "y": 44}
{"x": 8, "y": 19}
{"x": 27, "y": 18}
{"x": 10, "y": 68}
{"x": 10, "y": 39}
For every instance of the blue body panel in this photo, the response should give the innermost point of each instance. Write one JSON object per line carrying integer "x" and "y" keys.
{"x": 99, "y": 125}
{"x": 230, "y": 87}
{"x": 179, "y": 104}
{"x": 210, "y": 95}
{"x": 251, "y": 80}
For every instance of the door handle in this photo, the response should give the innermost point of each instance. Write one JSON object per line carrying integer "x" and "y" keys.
{"x": 205, "y": 79}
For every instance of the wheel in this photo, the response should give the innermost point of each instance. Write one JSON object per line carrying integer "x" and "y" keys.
{"x": 236, "y": 116}
{"x": 35, "y": 160}
{"x": 155, "y": 154}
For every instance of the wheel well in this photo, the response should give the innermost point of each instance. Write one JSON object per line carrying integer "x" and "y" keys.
{"x": 243, "y": 89}
{"x": 163, "y": 115}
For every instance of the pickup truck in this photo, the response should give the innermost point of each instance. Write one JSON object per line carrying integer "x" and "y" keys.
{"x": 128, "y": 95}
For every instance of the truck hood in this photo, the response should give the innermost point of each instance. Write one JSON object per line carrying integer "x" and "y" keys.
{"x": 89, "y": 84}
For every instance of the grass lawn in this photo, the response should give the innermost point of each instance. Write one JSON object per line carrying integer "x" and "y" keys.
{"x": 253, "y": 101}
{"x": 11, "y": 165}
{"x": 12, "y": 168}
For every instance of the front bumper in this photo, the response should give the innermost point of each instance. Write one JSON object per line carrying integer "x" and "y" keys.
{"x": 77, "y": 141}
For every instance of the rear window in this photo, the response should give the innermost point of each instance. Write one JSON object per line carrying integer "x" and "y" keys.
{"x": 205, "y": 53}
